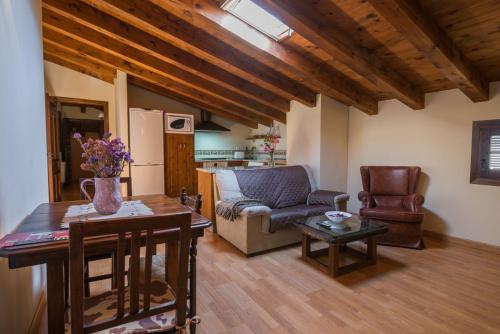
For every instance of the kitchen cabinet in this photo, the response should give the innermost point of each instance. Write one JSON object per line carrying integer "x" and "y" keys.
{"x": 234, "y": 163}
{"x": 179, "y": 164}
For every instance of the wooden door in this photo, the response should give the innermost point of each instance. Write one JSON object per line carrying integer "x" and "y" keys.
{"x": 52, "y": 126}
{"x": 188, "y": 164}
{"x": 179, "y": 164}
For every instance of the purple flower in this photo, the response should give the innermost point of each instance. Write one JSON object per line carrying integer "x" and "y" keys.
{"x": 77, "y": 135}
{"x": 104, "y": 157}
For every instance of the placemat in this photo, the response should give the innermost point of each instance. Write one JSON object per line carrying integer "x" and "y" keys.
{"x": 86, "y": 212}
{"x": 25, "y": 238}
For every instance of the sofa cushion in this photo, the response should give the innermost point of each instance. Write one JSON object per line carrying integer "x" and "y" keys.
{"x": 227, "y": 184}
{"x": 283, "y": 217}
{"x": 275, "y": 187}
{"x": 392, "y": 214}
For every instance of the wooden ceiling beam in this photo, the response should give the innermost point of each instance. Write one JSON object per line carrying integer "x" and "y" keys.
{"x": 65, "y": 45}
{"x": 305, "y": 20}
{"x": 152, "y": 45}
{"x": 95, "y": 39}
{"x": 180, "y": 33}
{"x": 419, "y": 28}
{"x": 82, "y": 65}
{"x": 194, "y": 103}
{"x": 208, "y": 16}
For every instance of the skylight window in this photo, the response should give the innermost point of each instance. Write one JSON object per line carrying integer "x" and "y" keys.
{"x": 256, "y": 17}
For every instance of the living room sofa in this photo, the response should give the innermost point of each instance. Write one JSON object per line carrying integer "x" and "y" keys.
{"x": 288, "y": 195}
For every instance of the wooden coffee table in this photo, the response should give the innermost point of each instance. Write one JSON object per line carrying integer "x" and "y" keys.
{"x": 358, "y": 229}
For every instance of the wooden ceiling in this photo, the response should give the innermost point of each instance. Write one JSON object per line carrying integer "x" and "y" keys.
{"x": 356, "y": 51}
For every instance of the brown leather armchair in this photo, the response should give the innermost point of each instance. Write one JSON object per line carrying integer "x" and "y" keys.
{"x": 389, "y": 194}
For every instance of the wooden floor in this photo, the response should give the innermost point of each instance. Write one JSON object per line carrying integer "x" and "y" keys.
{"x": 442, "y": 289}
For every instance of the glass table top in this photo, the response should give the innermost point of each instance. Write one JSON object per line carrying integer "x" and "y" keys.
{"x": 352, "y": 228}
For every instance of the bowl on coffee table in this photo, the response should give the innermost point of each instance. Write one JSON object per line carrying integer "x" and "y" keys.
{"x": 337, "y": 219}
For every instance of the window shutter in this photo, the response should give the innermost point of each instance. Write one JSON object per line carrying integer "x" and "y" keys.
{"x": 494, "y": 161}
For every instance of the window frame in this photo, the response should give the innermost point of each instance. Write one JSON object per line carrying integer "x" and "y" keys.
{"x": 480, "y": 151}
{"x": 229, "y": 5}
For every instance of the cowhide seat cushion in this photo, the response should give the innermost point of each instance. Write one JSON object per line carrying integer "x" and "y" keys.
{"x": 103, "y": 306}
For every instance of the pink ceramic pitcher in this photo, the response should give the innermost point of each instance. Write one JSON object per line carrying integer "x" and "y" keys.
{"x": 107, "y": 198}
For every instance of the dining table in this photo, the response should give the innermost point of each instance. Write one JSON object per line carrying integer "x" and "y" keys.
{"x": 47, "y": 217}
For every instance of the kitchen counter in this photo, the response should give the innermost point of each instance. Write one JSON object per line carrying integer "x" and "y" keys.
{"x": 226, "y": 159}
{"x": 213, "y": 170}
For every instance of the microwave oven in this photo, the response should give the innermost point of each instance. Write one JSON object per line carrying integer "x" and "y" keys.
{"x": 179, "y": 123}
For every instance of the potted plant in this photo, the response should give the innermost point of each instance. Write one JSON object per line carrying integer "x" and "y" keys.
{"x": 106, "y": 158}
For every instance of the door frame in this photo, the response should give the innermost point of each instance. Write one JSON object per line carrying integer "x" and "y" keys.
{"x": 54, "y": 188}
{"x": 69, "y": 101}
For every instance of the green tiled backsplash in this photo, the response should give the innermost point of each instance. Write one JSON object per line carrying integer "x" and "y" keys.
{"x": 279, "y": 154}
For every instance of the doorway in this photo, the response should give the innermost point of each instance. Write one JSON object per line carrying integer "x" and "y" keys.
{"x": 65, "y": 117}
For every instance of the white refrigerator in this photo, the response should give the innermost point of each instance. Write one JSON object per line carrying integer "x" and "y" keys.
{"x": 146, "y": 148}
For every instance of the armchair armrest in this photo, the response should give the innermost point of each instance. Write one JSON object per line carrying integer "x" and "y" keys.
{"x": 414, "y": 202}
{"x": 366, "y": 199}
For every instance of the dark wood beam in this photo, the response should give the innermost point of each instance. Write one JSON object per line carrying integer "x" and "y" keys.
{"x": 83, "y": 66}
{"x": 308, "y": 22}
{"x": 419, "y": 28}
{"x": 176, "y": 31}
{"x": 98, "y": 40}
{"x": 194, "y": 103}
{"x": 207, "y": 15}
{"x": 65, "y": 45}
{"x": 152, "y": 45}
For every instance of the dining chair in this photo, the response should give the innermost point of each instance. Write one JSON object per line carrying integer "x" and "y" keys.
{"x": 194, "y": 203}
{"x": 148, "y": 303}
{"x": 89, "y": 279}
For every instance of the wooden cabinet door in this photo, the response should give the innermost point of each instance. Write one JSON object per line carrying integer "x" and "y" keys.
{"x": 179, "y": 164}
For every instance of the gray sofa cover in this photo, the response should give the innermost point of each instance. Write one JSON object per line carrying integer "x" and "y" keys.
{"x": 286, "y": 191}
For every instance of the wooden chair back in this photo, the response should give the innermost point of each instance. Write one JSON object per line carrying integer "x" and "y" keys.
{"x": 131, "y": 234}
{"x": 194, "y": 202}
{"x": 126, "y": 179}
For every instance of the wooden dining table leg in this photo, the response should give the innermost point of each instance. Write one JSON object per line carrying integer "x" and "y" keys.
{"x": 55, "y": 297}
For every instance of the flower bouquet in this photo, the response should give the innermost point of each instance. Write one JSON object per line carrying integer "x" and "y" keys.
{"x": 271, "y": 141}
{"x": 106, "y": 158}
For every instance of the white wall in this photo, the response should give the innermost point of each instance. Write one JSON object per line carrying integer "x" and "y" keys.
{"x": 23, "y": 171}
{"x": 303, "y": 136}
{"x": 235, "y": 139}
{"x": 317, "y": 137}
{"x": 121, "y": 106}
{"x": 438, "y": 139}
{"x": 334, "y": 134}
{"x": 64, "y": 82}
